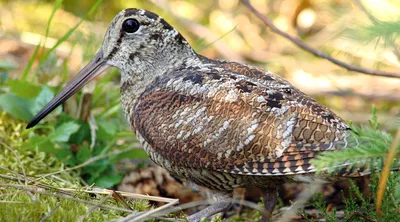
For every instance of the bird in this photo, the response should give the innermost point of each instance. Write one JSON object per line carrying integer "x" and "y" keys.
{"x": 219, "y": 124}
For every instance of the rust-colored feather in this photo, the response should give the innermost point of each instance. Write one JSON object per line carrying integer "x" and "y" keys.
{"x": 232, "y": 118}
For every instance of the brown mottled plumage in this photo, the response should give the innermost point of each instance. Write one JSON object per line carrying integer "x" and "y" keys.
{"x": 218, "y": 124}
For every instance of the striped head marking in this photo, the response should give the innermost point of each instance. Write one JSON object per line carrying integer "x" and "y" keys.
{"x": 136, "y": 35}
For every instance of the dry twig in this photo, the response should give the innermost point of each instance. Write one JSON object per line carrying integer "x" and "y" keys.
{"x": 67, "y": 193}
{"x": 315, "y": 52}
{"x": 37, "y": 190}
{"x": 93, "y": 208}
{"x": 49, "y": 213}
{"x": 149, "y": 214}
{"x": 171, "y": 210}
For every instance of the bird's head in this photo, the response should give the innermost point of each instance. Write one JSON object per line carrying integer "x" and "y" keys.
{"x": 137, "y": 41}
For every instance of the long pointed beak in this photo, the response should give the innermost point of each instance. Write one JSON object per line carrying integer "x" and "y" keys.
{"x": 94, "y": 68}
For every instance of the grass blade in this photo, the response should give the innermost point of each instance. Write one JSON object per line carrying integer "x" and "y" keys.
{"x": 221, "y": 37}
{"x": 57, "y": 5}
{"x": 31, "y": 61}
{"x": 28, "y": 68}
{"x": 72, "y": 30}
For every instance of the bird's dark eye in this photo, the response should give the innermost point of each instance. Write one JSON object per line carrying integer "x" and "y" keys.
{"x": 130, "y": 25}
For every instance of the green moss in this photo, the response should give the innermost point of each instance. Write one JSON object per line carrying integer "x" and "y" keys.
{"x": 19, "y": 202}
{"x": 18, "y": 205}
{"x": 22, "y": 207}
{"x": 30, "y": 162}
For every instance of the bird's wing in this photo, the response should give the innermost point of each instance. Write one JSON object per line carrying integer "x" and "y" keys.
{"x": 234, "y": 118}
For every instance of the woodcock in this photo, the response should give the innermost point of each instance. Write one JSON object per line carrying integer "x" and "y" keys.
{"x": 219, "y": 124}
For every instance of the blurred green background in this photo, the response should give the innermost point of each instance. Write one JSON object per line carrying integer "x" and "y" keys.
{"x": 41, "y": 47}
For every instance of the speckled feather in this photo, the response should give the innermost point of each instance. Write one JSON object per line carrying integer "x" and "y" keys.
{"x": 220, "y": 124}
{"x": 235, "y": 119}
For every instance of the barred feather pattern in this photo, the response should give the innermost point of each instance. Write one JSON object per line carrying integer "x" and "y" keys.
{"x": 219, "y": 124}
{"x": 233, "y": 119}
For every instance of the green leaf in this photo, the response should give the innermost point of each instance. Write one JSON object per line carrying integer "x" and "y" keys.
{"x": 65, "y": 154}
{"x": 42, "y": 99}
{"x": 83, "y": 154}
{"x": 83, "y": 134}
{"x": 16, "y": 106}
{"x": 95, "y": 170}
{"x": 64, "y": 131}
{"x": 42, "y": 143}
{"x": 108, "y": 181}
{"x": 23, "y": 89}
{"x": 109, "y": 128}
